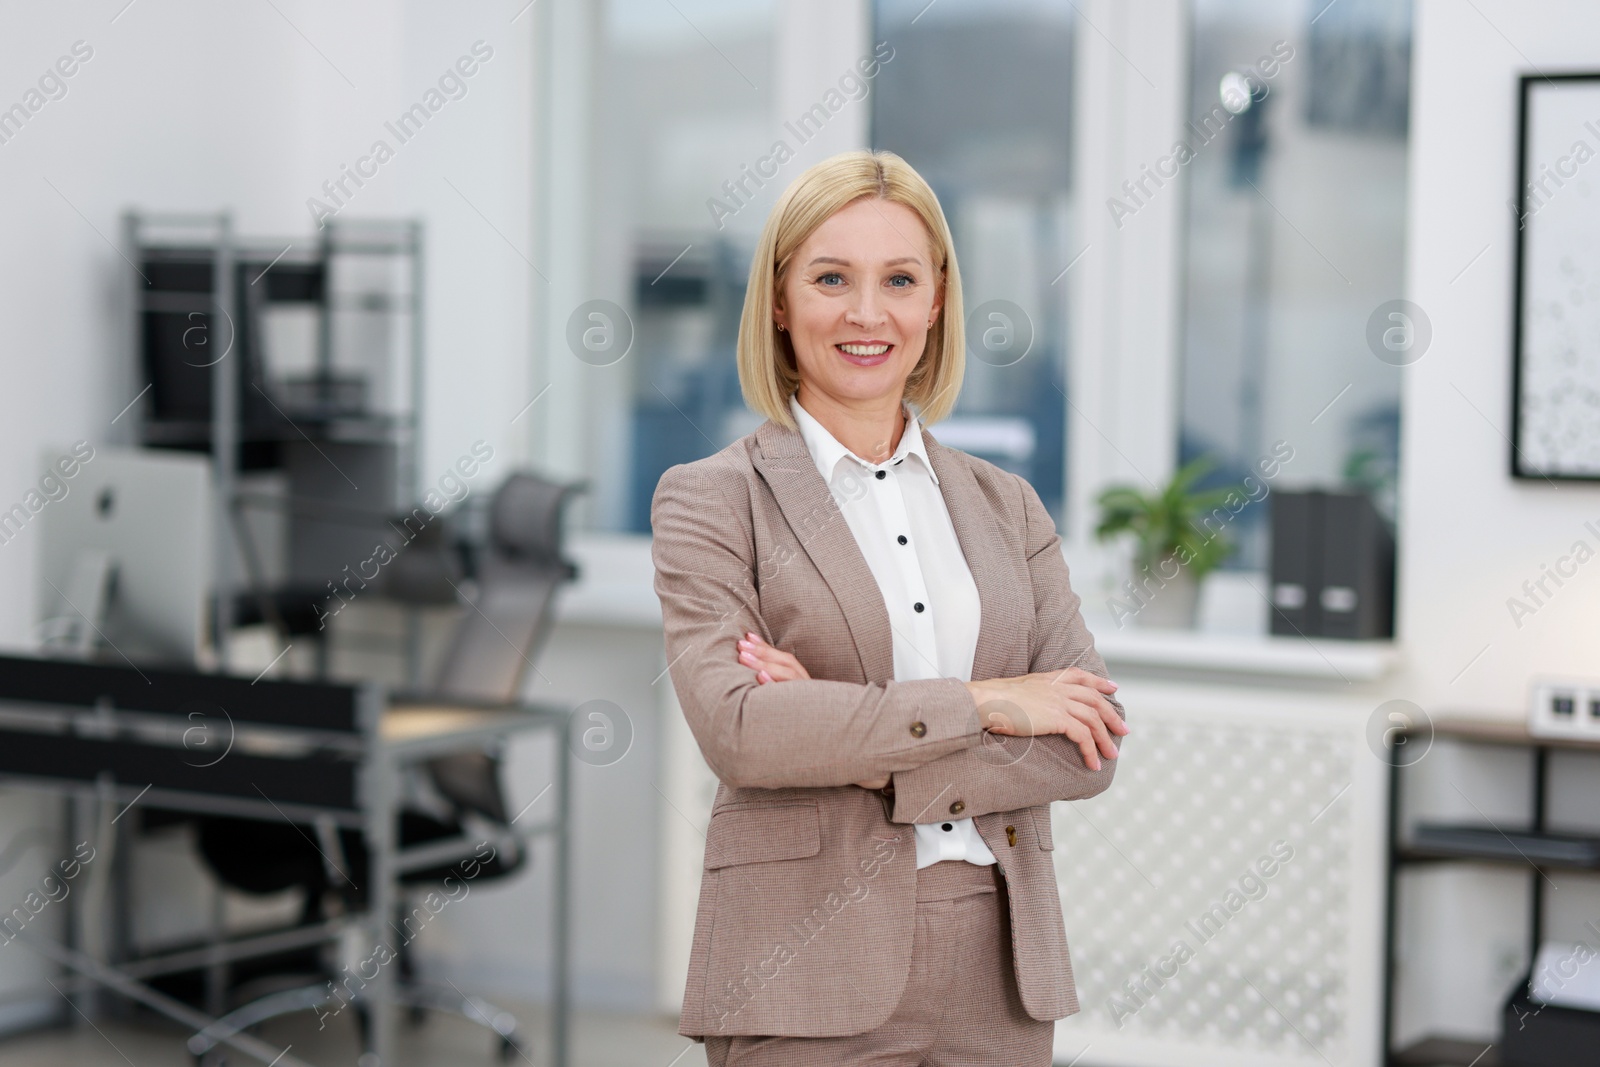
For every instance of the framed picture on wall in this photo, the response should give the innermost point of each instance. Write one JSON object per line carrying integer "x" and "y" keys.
{"x": 1556, "y": 341}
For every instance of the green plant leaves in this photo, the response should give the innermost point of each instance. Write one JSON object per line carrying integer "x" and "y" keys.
{"x": 1173, "y": 520}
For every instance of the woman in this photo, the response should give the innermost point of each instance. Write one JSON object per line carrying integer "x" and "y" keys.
{"x": 875, "y": 643}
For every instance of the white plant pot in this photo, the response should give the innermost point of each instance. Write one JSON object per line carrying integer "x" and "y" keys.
{"x": 1173, "y": 606}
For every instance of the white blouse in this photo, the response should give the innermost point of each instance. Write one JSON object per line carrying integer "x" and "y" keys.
{"x": 898, "y": 516}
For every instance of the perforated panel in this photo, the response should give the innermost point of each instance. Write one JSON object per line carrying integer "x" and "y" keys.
{"x": 1160, "y": 948}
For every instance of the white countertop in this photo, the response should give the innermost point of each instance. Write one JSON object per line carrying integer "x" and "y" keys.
{"x": 1232, "y": 653}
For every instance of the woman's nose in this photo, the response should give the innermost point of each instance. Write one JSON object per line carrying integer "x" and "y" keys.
{"x": 865, "y": 311}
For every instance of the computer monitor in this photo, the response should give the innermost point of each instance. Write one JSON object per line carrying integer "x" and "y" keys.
{"x": 125, "y": 564}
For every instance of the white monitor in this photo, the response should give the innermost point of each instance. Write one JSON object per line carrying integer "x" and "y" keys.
{"x": 125, "y": 565}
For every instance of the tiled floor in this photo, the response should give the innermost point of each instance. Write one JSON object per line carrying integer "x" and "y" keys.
{"x": 599, "y": 1040}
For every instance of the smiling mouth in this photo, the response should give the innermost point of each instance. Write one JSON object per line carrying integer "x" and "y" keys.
{"x": 867, "y": 354}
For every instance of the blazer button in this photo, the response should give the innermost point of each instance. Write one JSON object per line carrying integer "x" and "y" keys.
{"x": 918, "y": 729}
{"x": 958, "y": 807}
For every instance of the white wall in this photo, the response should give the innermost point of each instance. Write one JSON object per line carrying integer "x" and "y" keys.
{"x": 1470, "y": 534}
{"x": 192, "y": 106}
{"x": 196, "y": 106}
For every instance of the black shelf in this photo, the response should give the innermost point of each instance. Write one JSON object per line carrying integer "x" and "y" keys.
{"x": 1467, "y": 841}
{"x": 1453, "y": 1052}
{"x": 186, "y": 433}
{"x": 1446, "y": 1052}
{"x": 1422, "y": 856}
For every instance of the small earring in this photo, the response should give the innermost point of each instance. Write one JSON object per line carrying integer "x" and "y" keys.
{"x": 780, "y": 327}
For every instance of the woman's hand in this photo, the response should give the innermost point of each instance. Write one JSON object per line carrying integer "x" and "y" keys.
{"x": 1070, "y": 702}
{"x": 775, "y": 665}
{"x": 770, "y": 664}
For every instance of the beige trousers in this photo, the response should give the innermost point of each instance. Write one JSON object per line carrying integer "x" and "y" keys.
{"x": 960, "y": 1007}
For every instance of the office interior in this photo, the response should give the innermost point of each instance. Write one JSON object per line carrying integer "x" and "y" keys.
{"x": 346, "y": 345}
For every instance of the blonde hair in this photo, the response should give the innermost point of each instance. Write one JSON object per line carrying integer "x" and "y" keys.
{"x": 768, "y": 373}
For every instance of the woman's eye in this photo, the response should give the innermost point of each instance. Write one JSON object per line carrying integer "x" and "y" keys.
{"x": 822, "y": 279}
{"x": 907, "y": 279}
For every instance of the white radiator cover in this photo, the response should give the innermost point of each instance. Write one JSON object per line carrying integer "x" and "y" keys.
{"x": 1170, "y": 968}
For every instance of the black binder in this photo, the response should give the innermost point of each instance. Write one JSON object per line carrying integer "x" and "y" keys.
{"x": 1332, "y": 567}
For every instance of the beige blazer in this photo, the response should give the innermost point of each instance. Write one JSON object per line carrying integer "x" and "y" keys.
{"x": 808, "y": 897}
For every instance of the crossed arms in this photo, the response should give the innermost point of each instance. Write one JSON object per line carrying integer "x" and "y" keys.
{"x": 928, "y": 736}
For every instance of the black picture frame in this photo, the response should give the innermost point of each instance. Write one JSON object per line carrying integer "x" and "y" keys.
{"x": 1536, "y": 447}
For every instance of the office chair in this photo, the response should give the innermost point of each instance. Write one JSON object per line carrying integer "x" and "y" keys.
{"x": 504, "y": 626}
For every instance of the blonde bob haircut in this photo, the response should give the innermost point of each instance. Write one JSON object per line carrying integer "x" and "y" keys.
{"x": 768, "y": 373}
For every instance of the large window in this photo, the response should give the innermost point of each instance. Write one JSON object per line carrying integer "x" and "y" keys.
{"x": 978, "y": 97}
{"x": 1294, "y": 241}
{"x": 1291, "y": 241}
{"x": 685, "y": 102}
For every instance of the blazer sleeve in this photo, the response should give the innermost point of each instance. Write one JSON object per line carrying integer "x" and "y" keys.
{"x": 1008, "y": 773}
{"x": 807, "y": 732}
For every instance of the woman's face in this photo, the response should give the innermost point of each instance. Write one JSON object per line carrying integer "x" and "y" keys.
{"x": 858, "y": 300}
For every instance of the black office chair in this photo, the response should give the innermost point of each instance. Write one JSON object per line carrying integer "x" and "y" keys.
{"x": 504, "y": 626}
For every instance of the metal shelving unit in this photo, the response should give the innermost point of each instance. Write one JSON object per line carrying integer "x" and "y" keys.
{"x": 339, "y": 414}
{"x": 1439, "y": 1050}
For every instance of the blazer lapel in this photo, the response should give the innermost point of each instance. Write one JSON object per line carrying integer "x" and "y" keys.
{"x": 811, "y": 511}
{"x": 813, "y": 514}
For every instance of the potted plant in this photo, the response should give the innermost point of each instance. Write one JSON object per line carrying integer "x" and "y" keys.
{"x": 1173, "y": 547}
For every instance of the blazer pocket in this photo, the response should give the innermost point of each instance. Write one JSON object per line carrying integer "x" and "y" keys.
{"x": 759, "y": 833}
{"x": 1041, "y": 827}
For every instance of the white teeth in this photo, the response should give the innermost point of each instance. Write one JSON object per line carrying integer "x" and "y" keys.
{"x": 865, "y": 350}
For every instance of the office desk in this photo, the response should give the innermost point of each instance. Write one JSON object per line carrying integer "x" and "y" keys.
{"x": 315, "y": 754}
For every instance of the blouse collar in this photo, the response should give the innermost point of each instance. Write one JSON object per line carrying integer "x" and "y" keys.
{"x": 826, "y": 451}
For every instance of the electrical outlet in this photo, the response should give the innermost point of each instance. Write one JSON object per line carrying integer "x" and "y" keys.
{"x": 1565, "y": 707}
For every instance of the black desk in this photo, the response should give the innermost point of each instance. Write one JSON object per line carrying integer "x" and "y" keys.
{"x": 328, "y": 755}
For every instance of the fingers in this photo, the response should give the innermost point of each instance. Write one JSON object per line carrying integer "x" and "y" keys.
{"x": 1072, "y": 702}
{"x": 1074, "y": 729}
{"x": 1106, "y": 711}
{"x": 1084, "y": 716}
{"x": 773, "y": 669}
{"x": 1089, "y": 711}
{"x": 772, "y": 663}
{"x": 1085, "y": 739}
{"x": 1079, "y": 676}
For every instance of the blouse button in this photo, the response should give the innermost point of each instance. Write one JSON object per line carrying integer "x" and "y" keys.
{"x": 918, "y": 729}
{"x": 958, "y": 807}
{"x": 917, "y": 606}
{"x": 901, "y": 539}
{"x": 882, "y": 475}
